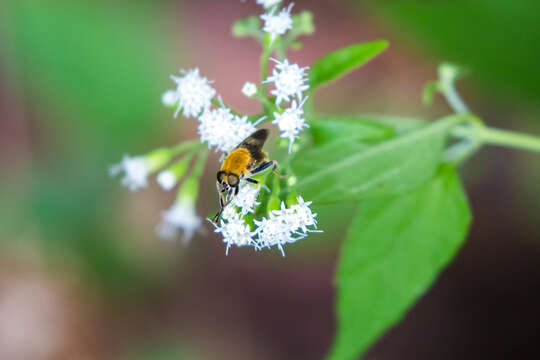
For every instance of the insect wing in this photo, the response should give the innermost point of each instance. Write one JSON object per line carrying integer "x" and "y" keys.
{"x": 254, "y": 143}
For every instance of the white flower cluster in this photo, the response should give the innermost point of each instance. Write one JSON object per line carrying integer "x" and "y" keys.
{"x": 218, "y": 127}
{"x": 246, "y": 200}
{"x": 283, "y": 226}
{"x": 223, "y": 130}
{"x": 286, "y": 225}
{"x": 180, "y": 216}
{"x": 291, "y": 122}
{"x": 135, "y": 169}
{"x": 268, "y": 3}
{"x": 277, "y": 24}
{"x": 193, "y": 93}
{"x": 167, "y": 179}
{"x": 289, "y": 81}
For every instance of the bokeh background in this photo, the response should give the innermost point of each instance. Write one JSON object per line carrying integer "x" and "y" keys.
{"x": 82, "y": 274}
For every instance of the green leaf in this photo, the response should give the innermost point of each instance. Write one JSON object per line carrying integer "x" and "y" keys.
{"x": 248, "y": 26}
{"x": 328, "y": 129}
{"x": 400, "y": 124}
{"x": 341, "y": 171}
{"x": 302, "y": 24}
{"x": 394, "y": 250}
{"x": 429, "y": 92}
{"x": 340, "y": 62}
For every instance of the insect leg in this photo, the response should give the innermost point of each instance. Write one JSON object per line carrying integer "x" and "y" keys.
{"x": 265, "y": 166}
{"x": 222, "y": 207}
{"x": 253, "y": 181}
{"x": 262, "y": 167}
{"x": 274, "y": 169}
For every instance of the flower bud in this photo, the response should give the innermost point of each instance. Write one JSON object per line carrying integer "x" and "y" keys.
{"x": 249, "y": 89}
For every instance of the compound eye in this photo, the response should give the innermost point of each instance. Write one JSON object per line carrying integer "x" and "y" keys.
{"x": 233, "y": 180}
{"x": 221, "y": 177}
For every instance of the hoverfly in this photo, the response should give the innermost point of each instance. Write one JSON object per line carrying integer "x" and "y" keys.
{"x": 244, "y": 161}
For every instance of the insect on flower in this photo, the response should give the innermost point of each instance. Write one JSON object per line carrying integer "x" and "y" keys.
{"x": 242, "y": 162}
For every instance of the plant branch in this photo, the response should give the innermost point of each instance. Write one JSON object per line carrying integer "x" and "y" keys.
{"x": 264, "y": 74}
{"x": 183, "y": 146}
{"x": 493, "y": 136}
{"x": 511, "y": 139}
{"x": 447, "y": 79}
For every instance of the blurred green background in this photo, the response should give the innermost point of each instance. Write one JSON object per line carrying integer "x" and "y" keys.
{"x": 82, "y": 274}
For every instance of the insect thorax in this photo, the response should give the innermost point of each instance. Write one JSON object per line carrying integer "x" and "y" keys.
{"x": 238, "y": 161}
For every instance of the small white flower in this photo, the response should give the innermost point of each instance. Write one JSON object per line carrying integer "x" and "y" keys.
{"x": 286, "y": 225}
{"x": 291, "y": 122}
{"x": 166, "y": 231}
{"x": 277, "y": 24}
{"x": 299, "y": 216}
{"x": 273, "y": 231}
{"x": 169, "y": 98}
{"x": 214, "y": 126}
{"x": 223, "y": 130}
{"x": 235, "y": 232}
{"x": 268, "y": 3}
{"x": 230, "y": 213}
{"x": 289, "y": 80}
{"x": 166, "y": 179}
{"x": 136, "y": 170}
{"x": 193, "y": 93}
{"x": 246, "y": 199}
{"x": 241, "y": 128}
{"x": 180, "y": 216}
{"x": 249, "y": 89}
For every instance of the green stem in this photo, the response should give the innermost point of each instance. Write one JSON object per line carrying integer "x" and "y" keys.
{"x": 511, "y": 139}
{"x": 281, "y": 51}
{"x": 466, "y": 128}
{"x": 218, "y": 103}
{"x": 268, "y": 106}
{"x": 448, "y": 74}
{"x": 492, "y": 136}
{"x": 264, "y": 66}
{"x": 199, "y": 164}
{"x": 475, "y": 133}
{"x": 267, "y": 51}
{"x": 309, "y": 106}
{"x": 453, "y": 98}
{"x": 183, "y": 146}
{"x": 461, "y": 151}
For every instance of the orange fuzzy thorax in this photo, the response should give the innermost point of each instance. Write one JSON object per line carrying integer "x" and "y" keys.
{"x": 237, "y": 162}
